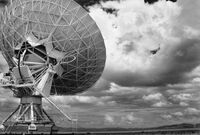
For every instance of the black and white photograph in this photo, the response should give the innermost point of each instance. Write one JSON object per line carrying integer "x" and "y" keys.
{"x": 100, "y": 67}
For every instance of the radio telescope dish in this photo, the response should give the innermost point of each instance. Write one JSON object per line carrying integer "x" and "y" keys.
{"x": 52, "y": 47}
{"x": 57, "y": 32}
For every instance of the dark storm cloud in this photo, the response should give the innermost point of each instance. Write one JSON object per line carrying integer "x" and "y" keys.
{"x": 86, "y": 3}
{"x": 153, "y": 1}
{"x": 99, "y": 89}
{"x": 92, "y": 2}
{"x": 170, "y": 65}
{"x": 169, "y": 68}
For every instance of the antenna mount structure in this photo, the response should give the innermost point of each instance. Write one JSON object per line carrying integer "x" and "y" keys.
{"x": 52, "y": 48}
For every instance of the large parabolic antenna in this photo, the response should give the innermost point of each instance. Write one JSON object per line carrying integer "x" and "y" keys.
{"x": 52, "y": 47}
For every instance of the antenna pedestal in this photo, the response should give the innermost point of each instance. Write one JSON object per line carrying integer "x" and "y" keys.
{"x": 29, "y": 114}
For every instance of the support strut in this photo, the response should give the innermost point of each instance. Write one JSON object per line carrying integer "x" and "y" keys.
{"x": 30, "y": 113}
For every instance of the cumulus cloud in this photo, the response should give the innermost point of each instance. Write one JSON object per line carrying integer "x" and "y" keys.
{"x": 185, "y": 99}
{"x": 139, "y": 28}
{"x": 186, "y": 114}
{"x": 182, "y": 97}
{"x": 156, "y": 99}
{"x": 130, "y": 119}
{"x": 178, "y": 114}
{"x": 131, "y": 34}
{"x": 192, "y": 111}
{"x": 123, "y": 119}
{"x": 190, "y": 14}
{"x": 166, "y": 116}
{"x": 160, "y": 104}
{"x": 137, "y": 97}
{"x": 156, "y": 96}
{"x": 183, "y": 104}
{"x": 122, "y": 90}
{"x": 84, "y": 101}
{"x": 108, "y": 118}
{"x": 136, "y": 29}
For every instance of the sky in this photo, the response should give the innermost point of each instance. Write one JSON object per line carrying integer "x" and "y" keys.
{"x": 152, "y": 71}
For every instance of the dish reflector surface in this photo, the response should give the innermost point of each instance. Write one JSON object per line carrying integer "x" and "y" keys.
{"x": 70, "y": 35}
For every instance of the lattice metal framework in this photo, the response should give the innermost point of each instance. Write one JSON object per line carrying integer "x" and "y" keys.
{"x": 74, "y": 38}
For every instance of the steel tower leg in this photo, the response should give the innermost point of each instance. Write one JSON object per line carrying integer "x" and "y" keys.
{"x": 29, "y": 113}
